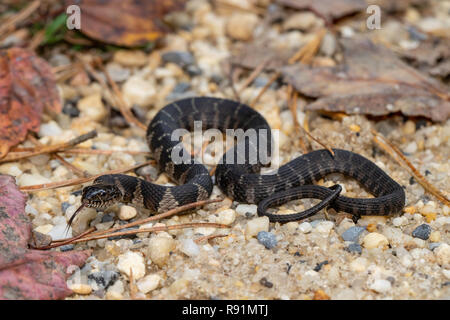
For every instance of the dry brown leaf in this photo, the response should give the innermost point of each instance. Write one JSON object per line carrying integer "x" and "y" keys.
{"x": 253, "y": 55}
{"x": 429, "y": 52}
{"x": 327, "y": 9}
{"x": 125, "y": 22}
{"x": 27, "y": 86}
{"x": 371, "y": 80}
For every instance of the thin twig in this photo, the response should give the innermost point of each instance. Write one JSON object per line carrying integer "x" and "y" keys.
{"x": 60, "y": 184}
{"x": 398, "y": 156}
{"x": 12, "y": 22}
{"x": 59, "y": 243}
{"x": 155, "y": 229}
{"x": 83, "y": 151}
{"x": 51, "y": 149}
{"x": 232, "y": 76}
{"x": 123, "y": 106}
{"x": 60, "y": 159}
{"x": 308, "y": 51}
{"x": 264, "y": 89}
{"x": 211, "y": 236}
{"x": 256, "y": 72}
{"x": 159, "y": 216}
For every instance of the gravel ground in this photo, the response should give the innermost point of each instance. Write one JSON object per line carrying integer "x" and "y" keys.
{"x": 326, "y": 256}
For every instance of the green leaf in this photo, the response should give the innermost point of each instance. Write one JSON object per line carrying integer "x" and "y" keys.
{"x": 56, "y": 29}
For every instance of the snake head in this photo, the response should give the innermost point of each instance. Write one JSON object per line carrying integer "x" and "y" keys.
{"x": 100, "y": 195}
{"x": 97, "y": 196}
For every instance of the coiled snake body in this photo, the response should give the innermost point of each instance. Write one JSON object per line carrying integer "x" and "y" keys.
{"x": 239, "y": 178}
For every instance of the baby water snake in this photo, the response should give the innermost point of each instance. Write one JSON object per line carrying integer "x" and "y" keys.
{"x": 237, "y": 174}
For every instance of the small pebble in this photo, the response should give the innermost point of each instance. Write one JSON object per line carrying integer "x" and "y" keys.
{"x": 320, "y": 265}
{"x": 380, "y": 286}
{"x": 399, "y": 221}
{"x": 242, "y": 209}
{"x": 115, "y": 292}
{"x": 180, "y": 58}
{"x": 435, "y": 236}
{"x": 240, "y": 26}
{"x": 189, "y": 247}
{"x": 127, "y": 212}
{"x": 354, "y": 248}
{"x": 159, "y": 249}
{"x": 422, "y": 232}
{"x": 67, "y": 247}
{"x": 50, "y": 128}
{"x": 92, "y": 107}
{"x": 60, "y": 231}
{"x": 148, "y": 283}
{"x": 71, "y": 110}
{"x": 359, "y": 264}
{"x": 256, "y": 225}
{"x": 305, "y": 227}
{"x": 302, "y": 21}
{"x": 80, "y": 288}
{"x": 117, "y": 72}
{"x": 267, "y": 239}
{"x": 132, "y": 261}
{"x": 226, "y": 217}
{"x": 107, "y": 218}
{"x": 64, "y": 206}
{"x": 324, "y": 227}
{"x": 433, "y": 245}
{"x": 265, "y": 282}
{"x": 130, "y": 58}
{"x": 104, "y": 279}
{"x": 137, "y": 90}
{"x": 375, "y": 240}
{"x": 352, "y": 234}
{"x": 443, "y": 254}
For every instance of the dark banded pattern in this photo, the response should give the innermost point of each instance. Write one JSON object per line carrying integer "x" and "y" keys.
{"x": 242, "y": 181}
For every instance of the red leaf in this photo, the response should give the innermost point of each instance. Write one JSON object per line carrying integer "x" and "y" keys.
{"x": 26, "y": 88}
{"x": 27, "y": 273}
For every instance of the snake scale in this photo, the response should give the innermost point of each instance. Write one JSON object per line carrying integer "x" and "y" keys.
{"x": 240, "y": 178}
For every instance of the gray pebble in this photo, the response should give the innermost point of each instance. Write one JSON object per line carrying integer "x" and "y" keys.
{"x": 354, "y": 248}
{"x": 422, "y": 232}
{"x": 352, "y": 234}
{"x": 71, "y": 110}
{"x": 267, "y": 239}
{"x": 261, "y": 81}
{"x": 314, "y": 223}
{"x": 193, "y": 70}
{"x": 180, "y": 58}
{"x": 181, "y": 87}
{"x": 64, "y": 206}
{"x": 67, "y": 247}
{"x": 107, "y": 217}
{"x": 266, "y": 283}
{"x": 433, "y": 245}
{"x": 126, "y": 236}
{"x": 104, "y": 278}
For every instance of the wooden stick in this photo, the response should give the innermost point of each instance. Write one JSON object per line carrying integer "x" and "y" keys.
{"x": 154, "y": 229}
{"x": 398, "y": 156}
{"x": 264, "y": 89}
{"x": 159, "y": 216}
{"x": 51, "y": 149}
{"x": 12, "y": 22}
{"x": 61, "y": 159}
{"x": 256, "y": 72}
{"x": 60, "y": 184}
